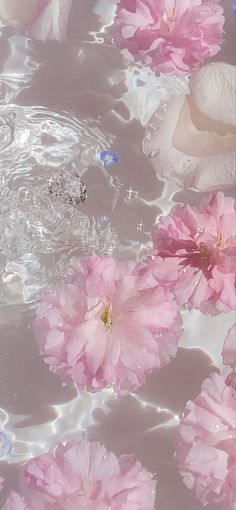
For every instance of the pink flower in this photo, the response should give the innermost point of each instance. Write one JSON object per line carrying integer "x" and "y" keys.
{"x": 15, "y": 502}
{"x": 193, "y": 253}
{"x": 83, "y": 475}
{"x": 172, "y": 36}
{"x": 191, "y": 139}
{"x": 206, "y": 444}
{"x": 109, "y": 327}
{"x": 42, "y": 19}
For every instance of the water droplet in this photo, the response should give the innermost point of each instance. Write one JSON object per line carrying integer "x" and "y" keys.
{"x": 154, "y": 153}
{"x": 68, "y": 186}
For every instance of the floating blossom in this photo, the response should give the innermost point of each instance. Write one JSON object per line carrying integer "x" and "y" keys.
{"x": 42, "y": 19}
{"x": 195, "y": 250}
{"x": 85, "y": 476}
{"x": 108, "y": 158}
{"x": 110, "y": 326}
{"x": 193, "y": 141}
{"x": 206, "y": 443}
{"x": 172, "y": 36}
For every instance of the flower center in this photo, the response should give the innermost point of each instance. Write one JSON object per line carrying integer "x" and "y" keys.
{"x": 107, "y": 318}
{"x": 210, "y": 255}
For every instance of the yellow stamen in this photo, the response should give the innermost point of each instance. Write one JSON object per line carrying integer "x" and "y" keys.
{"x": 106, "y": 317}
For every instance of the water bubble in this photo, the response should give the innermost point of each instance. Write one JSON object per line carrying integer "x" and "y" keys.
{"x": 154, "y": 153}
{"x": 68, "y": 186}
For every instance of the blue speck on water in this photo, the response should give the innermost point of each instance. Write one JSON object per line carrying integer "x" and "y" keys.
{"x": 108, "y": 158}
{"x": 234, "y": 7}
{"x": 5, "y": 445}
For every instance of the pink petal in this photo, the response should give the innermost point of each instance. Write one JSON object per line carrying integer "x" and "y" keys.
{"x": 15, "y": 502}
{"x": 211, "y": 83}
{"x": 52, "y": 22}
{"x": 19, "y": 12}
{"x": 229, "y": 348}
{"x": 84, "y": 475}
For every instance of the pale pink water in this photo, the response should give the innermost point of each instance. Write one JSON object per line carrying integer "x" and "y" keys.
{"x": 87, "y": 79}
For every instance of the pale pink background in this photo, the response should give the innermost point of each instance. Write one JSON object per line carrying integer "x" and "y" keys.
{"x": 76, "y": 77}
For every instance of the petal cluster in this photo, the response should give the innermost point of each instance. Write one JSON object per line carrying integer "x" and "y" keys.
{"x": 194, "y": 253}
{"x": 206, "y": 444}
{"x": 172, "y": 36}
{"x": 109, "y": 327}
{"x": 85, "y": 476}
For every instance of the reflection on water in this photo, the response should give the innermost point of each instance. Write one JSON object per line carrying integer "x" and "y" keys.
{"x": 90, "y": 103}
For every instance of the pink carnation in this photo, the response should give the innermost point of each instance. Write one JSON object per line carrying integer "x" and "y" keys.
{"x": 83, "y": 475}
{"x": 109, "y": 327}
{"x": 172, "y": 36}
{"x": 41, "y": 19}
{"x": 206, "y": 444}
{"x": 195, "y": 253}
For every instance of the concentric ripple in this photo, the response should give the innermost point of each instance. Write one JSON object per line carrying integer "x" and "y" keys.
{"x": 41, "y": 230}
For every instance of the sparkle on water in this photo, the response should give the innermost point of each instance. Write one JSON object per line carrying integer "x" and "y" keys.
{"x": 63, "y": 195}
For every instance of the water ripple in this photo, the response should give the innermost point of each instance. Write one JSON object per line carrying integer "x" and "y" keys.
{"x": 40, "y": 231}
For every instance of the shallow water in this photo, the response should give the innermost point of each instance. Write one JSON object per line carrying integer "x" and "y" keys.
{"x": 60, "y": 106}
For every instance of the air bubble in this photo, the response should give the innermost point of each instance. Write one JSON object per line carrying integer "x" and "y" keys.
{"x": 154, "y": 153}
